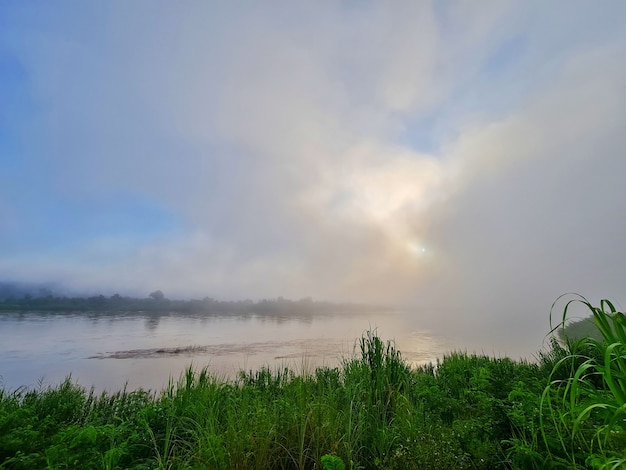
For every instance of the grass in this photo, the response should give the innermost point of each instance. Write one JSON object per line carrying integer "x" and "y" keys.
{"x": 372, "y": 412}
{"x": 584, "y": 418}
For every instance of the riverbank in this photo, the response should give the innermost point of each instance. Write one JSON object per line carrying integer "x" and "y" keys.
{"x": 371, "y": 412}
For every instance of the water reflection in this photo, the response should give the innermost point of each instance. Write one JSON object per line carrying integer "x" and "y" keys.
{"x": 152, "y": 323}
{"x": 140, "y": 349}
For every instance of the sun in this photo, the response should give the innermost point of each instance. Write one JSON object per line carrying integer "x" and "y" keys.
{"x": 417, "y": 249}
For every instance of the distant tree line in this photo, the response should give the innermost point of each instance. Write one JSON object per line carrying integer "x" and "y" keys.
{"x": 10, "y": 289}
{"x": 158, "y": 303}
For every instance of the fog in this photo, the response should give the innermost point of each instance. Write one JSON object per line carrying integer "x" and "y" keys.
{"x": 464, "y": 160}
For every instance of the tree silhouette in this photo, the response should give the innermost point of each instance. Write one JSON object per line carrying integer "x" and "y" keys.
{"x": 157, "y": 295}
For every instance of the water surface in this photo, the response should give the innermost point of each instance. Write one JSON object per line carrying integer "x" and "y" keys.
{"x": 111, "y": 350}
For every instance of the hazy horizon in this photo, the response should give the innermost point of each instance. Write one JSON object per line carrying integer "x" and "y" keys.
{"x": 467, "y": 162}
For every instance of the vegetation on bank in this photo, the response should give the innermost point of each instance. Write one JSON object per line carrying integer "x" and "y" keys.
{"x": 158, "y": 303}
{"x": 566, "y": 410}
{"x": 579, "y": 329}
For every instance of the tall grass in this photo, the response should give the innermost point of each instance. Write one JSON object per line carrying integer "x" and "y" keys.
{"x": 371, "y": 412}
{"x": 583, "y": 420}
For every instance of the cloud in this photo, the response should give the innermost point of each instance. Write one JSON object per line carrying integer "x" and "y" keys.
{"x": 535, "y": 213}
{"x": 464, "y": 159}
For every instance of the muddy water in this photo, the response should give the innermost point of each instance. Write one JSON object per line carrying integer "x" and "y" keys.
{"x": 108, "y": 351}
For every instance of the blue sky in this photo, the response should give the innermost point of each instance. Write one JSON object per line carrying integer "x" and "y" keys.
{"x": 388, "y": 152}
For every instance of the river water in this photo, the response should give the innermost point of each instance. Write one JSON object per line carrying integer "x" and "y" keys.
{"x": 108, "y": 351}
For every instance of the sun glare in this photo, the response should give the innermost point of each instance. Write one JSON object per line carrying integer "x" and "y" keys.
{"x": 417, "y": 249}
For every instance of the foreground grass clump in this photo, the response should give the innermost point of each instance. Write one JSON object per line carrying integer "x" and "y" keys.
{"x": 584, "y": 409}
{"x": 372, "y": 412}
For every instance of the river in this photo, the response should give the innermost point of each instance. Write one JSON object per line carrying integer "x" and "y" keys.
{"x": 109, "y": 351}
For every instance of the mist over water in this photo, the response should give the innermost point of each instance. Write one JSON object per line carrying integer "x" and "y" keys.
{"x": 108, "y": 351}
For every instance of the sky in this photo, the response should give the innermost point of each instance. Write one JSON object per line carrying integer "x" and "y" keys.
{"x": 466, "y": 158}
